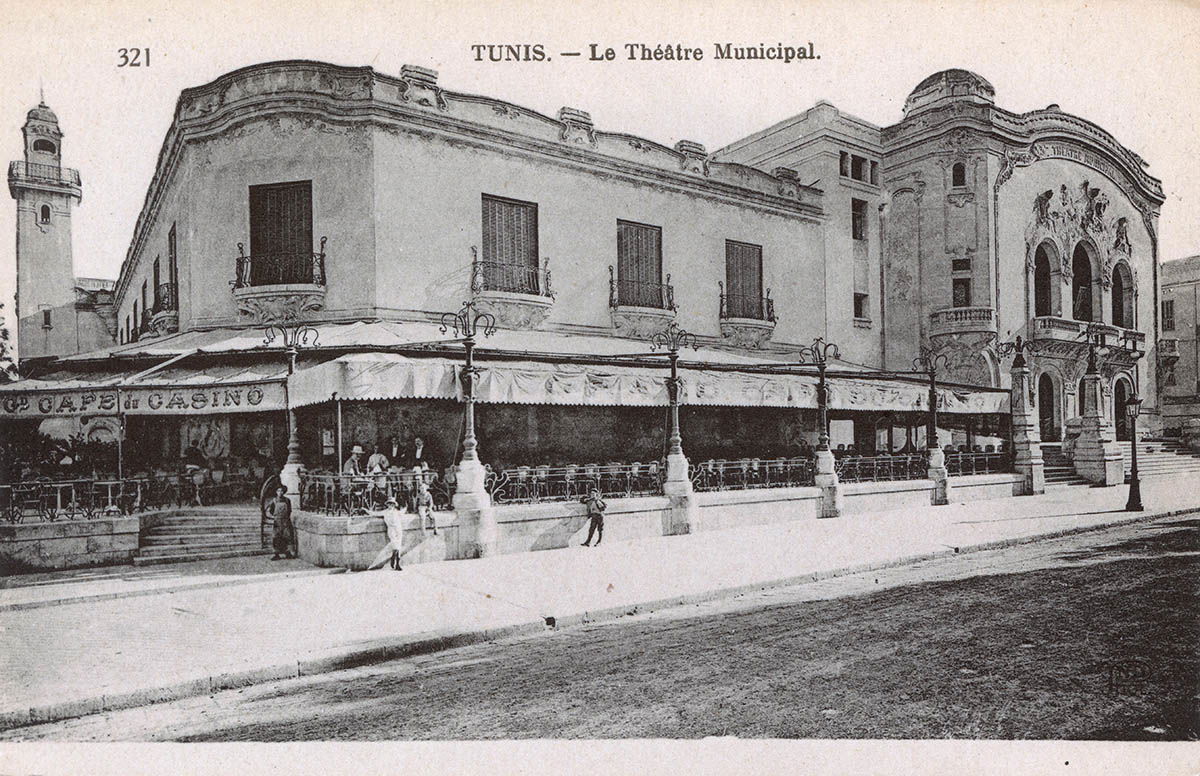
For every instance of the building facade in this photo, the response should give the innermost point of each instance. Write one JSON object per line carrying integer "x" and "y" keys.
{"x": 366, "y": 205}
{"x": 1179, "y": 355}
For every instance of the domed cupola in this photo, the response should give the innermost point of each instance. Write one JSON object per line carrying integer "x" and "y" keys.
{"x": 43, "y": 138}
{"x": 949, "y": 86}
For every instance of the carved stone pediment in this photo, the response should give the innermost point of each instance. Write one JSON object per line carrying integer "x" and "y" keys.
{"x": 640, "y": 322}
{"x": 418, "y": 85}
{"x": 747, "y": 333}
{"x": 577, "y": 126}
{"x": 695, "y": 156}
{"x": 277, "y": 304}
{"x": 514, "y": 311}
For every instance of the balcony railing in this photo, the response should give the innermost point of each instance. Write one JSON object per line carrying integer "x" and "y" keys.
{"x": 635, "y": 293}
{"x": 277, "y": 269}
{"x": 535, "y": 484}
{"x": 166, "y": 298}
{"x": 953, "y": 320}
{"x": 344, "y": 494}
{"x": 1168, "y": 348}
{"x": 43, "y": 172}
{"x": 975, "y": 462}
{"x": 91, "y": 499}
{"x": 760, "y": 308}
{"x": 511, "y": 278}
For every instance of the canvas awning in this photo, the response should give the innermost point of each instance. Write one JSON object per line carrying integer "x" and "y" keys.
{"x": 374, "y": 376}
{"x": 171, "y": 391}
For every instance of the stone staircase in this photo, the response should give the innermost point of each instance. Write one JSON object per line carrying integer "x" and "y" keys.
{"x": 1059, "y": 471}
{"x": 1162, "y": 457}
{"x": 201, "y": 533}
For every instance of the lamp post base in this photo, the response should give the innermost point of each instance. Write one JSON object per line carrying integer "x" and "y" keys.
{"x": 826, "y": 479}
{"x": 479, "y": 533}
{"x": 289, "y": 477}
{"x": 1134, "y": 504}
{"x": 940, "y": 476}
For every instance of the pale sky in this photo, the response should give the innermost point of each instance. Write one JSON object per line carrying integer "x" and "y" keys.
{"x": 1131, "y": 67}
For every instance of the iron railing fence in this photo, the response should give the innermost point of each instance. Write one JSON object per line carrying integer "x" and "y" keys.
{"x": 882, "y": 468}
{"x": 745, "y": 473}
{"x": 91, "y": 499}
{"x": 274, "y": 269}
{"x": 45, "y": 172}
{"x": 512, "y": 278}
{"x": 760, "y": 308}
{"x": 966, "y": 463}
{"x": 635, "y": 293}
{"x": 166, "y": 298}
{"x": 351, "y": 494}
{"x": 535, "y": 484}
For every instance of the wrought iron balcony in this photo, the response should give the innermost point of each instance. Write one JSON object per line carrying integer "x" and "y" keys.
{"x": 1168, "y": 349}
{"x": 278, "y": 269}
{"x": 757, "y": 308}
{"x": 166, "y": 298}
{"x": 49, "y": 173}
{"x": 510, "y": 278}
{"x": 272, "y": 287}
{"x": 635, "y": 293}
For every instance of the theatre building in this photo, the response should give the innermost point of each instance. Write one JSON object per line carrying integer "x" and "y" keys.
{"x": 290, "y": 287}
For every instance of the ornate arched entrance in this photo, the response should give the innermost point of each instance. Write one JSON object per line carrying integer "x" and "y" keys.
{"x": 1048, "y": 420}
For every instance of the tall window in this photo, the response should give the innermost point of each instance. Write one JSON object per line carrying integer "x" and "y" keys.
{"x": 510, "y": 245}
{"x": 46, "y": 318}
{"x": 844, "y": 164}
{"x": 172, "y": 257}
{"x": 743, "y": 281}
{"x": 1168, "y": 315}
{"x": 1042, "y": 283}
{"x": 858, "y": 219}
{"x": 137, "y": 323}
{"x": 145, "y": 309}
{"x": 874, "y": 173}
{"x": 962, "y": 292}
{"x": 281, "y": 241}
{"x": 44, "y": 214}
{"x": 158, "y": 290}
{"x": 1081, "y": 284}
{"x": 639, "y": 266}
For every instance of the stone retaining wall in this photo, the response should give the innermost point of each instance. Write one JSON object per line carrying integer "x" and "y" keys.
{"x": 353, "y": 542}
{"x": 66, "y": 544}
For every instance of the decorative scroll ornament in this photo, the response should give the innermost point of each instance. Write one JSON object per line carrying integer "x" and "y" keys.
{"x": 419, "y": 85}
{"x": 577, "y": 126}
{"x": 695, "y": 157}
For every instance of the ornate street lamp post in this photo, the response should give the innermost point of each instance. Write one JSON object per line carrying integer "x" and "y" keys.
{"x": 672, "y": 339}
{"x": 294, "y": 336}
{"x": 468, "y": 323}
{"x": 1017, "y": 349}
{"x": 929, "y": 362}
{"x": 818, "y": 354}
{"x": 1133, "y": 406}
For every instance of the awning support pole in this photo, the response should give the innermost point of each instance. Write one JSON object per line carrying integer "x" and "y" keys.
{"x": 338, "y": 402}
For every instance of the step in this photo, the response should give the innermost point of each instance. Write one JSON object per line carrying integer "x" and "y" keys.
{"x": 200, "y": 539}
{"x": 199, "y": 549}
{"x": 198, "y": 527}
{"x": 190, "y": 557}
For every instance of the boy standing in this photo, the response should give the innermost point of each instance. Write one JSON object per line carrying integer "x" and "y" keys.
{"x": 595, "y": 512}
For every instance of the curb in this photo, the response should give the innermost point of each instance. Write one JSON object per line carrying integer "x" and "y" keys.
{"x": 388, "y": 649}
{"x": 87, "y": 599}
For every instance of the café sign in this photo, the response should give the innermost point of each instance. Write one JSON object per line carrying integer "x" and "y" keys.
{"x": 165, "y": 400}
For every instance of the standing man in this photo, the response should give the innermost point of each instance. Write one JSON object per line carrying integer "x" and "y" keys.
{"x": 595, "y": 512}
{"x": 424, "y": 504}
{"x": 283, "y": 539}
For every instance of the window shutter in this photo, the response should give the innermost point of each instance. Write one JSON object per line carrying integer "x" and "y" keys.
{"x": 639, "y": 265}
{"x": 743, "y": 279}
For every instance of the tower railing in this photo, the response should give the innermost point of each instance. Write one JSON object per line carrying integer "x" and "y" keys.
{"x": 165, "y": 298}
{"x": 38, "y": 171}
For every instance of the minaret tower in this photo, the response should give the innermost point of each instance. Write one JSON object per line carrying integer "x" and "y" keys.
{"x": 45, "y": 192}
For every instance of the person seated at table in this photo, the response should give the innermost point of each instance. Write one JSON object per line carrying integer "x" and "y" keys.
{"x": 377, "y": 462}
{"x": 353, "y": 464}
{"x": 193, "y": 457}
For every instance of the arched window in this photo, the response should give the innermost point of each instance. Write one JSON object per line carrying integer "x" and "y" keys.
{"x": 958, "y": 175}
{"x": 1121, "y": 394}
{"x": 1081, "y": 284}
{"x": 1042, "y": 304}
{"x": 43, "y": 145}
{"x": 44, "y": 214}
{"x": 1122, "y": 296}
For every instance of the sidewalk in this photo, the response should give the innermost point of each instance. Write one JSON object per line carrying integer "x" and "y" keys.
{"x": 99, "y": 654}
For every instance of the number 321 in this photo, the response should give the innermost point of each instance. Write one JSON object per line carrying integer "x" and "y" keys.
{"x": 133, "y": 57}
